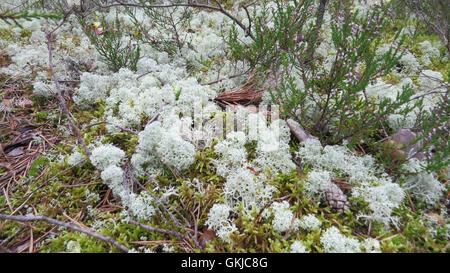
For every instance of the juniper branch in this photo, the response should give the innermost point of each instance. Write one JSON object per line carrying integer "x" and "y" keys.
{"x": 14, "y": 16}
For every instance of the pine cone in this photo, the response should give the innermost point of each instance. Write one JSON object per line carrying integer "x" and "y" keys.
{"x": 335, "y": 198}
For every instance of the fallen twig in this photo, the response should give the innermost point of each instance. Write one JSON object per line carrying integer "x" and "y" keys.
{"x": 160, "y": 230}
{"x": 298, "y": 133}
{"x": 32, "y": 218}
{"x": 115, "y": 125}
{"x": 226, "y": 78}
{"x": 4, "y": 242}
{"x": 48, "y": 180}
{"x": 4, "y": 250}
{"x": 9, "y": 175}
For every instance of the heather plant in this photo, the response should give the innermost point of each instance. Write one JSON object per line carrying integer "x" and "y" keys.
{"x": 270, "y": 43}
{"x": 115, "y": 46}
{"x": 433, "y": 12}
{"x": 325, "y": 94}
{"x": 429, "y": 120}
{"x": 434, "y": 136}
{"x": 166, "y": 26}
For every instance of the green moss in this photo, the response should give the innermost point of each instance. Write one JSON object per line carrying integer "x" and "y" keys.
{"x": 391, "y": 78}
{"x": 6, "y": 34}
{"x": 37, "y": 166}
{"x": 87, "y": 243}
{"x": 124, "y": 140}
{"x": 41, "y": 115}
{"x": 203, "y": 167}
{"x": 413, "y": 237}
{"x": 25, "y": 33}
{"x": 8, "y": 228}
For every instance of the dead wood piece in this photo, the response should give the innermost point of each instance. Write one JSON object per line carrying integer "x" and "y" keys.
{"x": 298, "y": 132}
{"x": 32, "y": 218}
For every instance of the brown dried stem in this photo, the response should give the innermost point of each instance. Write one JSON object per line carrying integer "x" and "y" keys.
{"x": 160, "y": 230}
{"x": 62, "y": 101}
{"x": 189, "y": 4}
{"x": 32, "y": 218}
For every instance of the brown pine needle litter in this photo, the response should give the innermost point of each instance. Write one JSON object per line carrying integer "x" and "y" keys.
{"x": 248, "y": 93}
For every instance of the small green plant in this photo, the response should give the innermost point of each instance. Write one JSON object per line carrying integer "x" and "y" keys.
{"x": 108, "y": 39}
{"x": 167, "y": 23}
{"x": 435, "y": 135}
{"x": 434, "y": 13}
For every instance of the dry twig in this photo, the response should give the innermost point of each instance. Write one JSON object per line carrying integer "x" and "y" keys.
{"x": 190, "y": 4}
{"x": 32, "y": 218}
{"x": 160, "y": 230}
{"x": 62, "y": 101}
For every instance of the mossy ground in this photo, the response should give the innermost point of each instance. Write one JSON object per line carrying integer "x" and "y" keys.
{"x": 77, "y": 195}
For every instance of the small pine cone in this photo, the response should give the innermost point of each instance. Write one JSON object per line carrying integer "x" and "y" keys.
{"x": 335, "y": 198}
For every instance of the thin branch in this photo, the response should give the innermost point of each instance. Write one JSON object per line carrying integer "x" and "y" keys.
{"x": 248, "y": 16}
{"x": 4, "y": 250}
{"x": 9, "y": 175}
{"x": 4, "y": 242}
{"x": 160, "y": 230}
{"x": 156, "y": 115}
{"x": 60, "y": 97}
{"x": 428, "y": 93}
{"x": 312, "y": 43}
{"x": 156, "y": 200}
{"x": 189, "y": 5}
{"x": 115, "y": 125}
{"x": 32, "y": 218}
{"x": 226, "y": 78}
{"x": 48, "y": 180}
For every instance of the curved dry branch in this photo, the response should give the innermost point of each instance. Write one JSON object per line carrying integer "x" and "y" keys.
{"x": 218, "y": 8}
{"x": 160, "y": 230}
{"x": 33, "y": 218}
